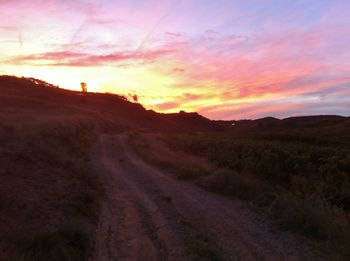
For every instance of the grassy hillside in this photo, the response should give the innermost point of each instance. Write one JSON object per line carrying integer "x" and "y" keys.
{"x": 49, "y": 197}
{"x": 109, "y": 110}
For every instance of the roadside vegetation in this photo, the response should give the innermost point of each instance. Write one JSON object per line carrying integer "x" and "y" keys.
{"x": 49, "y": 198}
{"x": 299, "y": 176}
{"x": 151, "y": 147}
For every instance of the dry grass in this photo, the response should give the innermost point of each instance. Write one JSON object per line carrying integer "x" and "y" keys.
{"x": 49, "y": 198}
{"x": 152, "y": 148}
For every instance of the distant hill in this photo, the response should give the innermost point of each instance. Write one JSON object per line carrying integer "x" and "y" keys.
{"x": 289, "y": 123}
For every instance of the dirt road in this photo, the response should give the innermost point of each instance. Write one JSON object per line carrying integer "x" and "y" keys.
{"x": 151, "y": 216}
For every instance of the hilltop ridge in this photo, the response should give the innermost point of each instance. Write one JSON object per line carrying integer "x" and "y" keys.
{"x": 108, "y": 109}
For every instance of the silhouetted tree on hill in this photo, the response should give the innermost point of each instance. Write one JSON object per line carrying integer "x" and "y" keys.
{"x": 83, "y": 87}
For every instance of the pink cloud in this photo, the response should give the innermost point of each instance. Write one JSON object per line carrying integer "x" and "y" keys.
{"x": 84, "y": 59}
{"x": 167, "y": 106}
{"x": 241, "y": 67}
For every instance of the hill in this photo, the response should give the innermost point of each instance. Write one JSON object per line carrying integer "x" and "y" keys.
{"x": 109, "y": 110}
{"x": 49, "y": 195}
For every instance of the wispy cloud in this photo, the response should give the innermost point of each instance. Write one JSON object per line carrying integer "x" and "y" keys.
{"x": 85, "y": 59}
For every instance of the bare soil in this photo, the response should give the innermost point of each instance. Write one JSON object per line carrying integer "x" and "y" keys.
{"x": 149, "y": 215}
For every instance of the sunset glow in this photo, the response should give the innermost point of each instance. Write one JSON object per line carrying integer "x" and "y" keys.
{"x": 226, "y": 59}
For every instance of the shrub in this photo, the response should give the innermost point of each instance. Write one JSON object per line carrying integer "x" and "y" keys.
{"x": 307, "y": 216}
{"x": 229, "y": 183}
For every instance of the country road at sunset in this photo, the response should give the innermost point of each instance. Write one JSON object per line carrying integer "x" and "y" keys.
{"x": 174, "y": 130}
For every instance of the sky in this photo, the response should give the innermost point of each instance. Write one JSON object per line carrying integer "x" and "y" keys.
{"x": 226, "y": 59}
